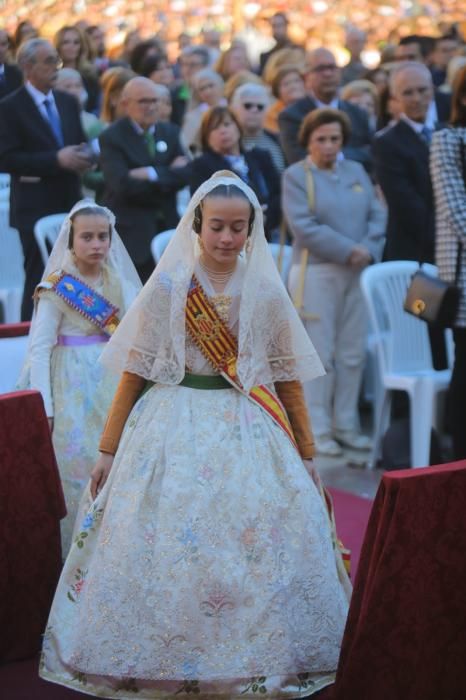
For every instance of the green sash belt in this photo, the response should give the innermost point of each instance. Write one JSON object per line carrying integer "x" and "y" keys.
{"x": 199, "y": 381}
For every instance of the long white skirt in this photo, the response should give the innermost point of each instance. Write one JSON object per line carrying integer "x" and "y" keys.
{"x": 204, "y": 566}
{"x": 82, "y": 392}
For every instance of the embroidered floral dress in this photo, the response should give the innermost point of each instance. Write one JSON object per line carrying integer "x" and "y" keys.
{"x": 77, "y": 390}
{"x": 205, "y": 566}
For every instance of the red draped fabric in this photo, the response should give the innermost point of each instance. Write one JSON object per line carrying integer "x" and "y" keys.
{"x": 405, "y": 638}
{"x": 14, "y": 330}
{"x": 31, "y": 506}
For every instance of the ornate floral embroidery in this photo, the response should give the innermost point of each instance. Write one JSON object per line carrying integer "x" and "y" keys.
{"x": 128, "y": 684}
{"x": 92, "y": 518}
{"x": 257, "y": 685}
{"x": 76, "y": 588}
{"x": 189, "y": 687}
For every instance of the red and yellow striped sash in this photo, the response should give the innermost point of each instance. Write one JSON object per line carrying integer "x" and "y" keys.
{"x": 220, "y": 347}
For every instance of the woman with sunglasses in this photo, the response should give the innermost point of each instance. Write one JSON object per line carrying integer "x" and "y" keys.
{"x": 221, "y": 135}
{"x": 250, "y": 103}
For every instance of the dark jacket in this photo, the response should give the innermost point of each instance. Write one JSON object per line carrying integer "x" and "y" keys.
{"x": 402, "y": 170}
{"x": 358, "y": 147}
{"x": 28, "y": 151}
{"x": 12, "y": 80}
{"x": 263, "y": 179}
{"x": 142, "y": 207}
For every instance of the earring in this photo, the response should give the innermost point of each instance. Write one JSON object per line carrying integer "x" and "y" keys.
{"x": 201, "y": 243}
{"x": 248, "y": 246}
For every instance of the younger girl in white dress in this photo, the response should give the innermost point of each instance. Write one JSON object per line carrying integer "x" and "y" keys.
{"x": 87, "y": 286}
{"x": 206, "y": 563}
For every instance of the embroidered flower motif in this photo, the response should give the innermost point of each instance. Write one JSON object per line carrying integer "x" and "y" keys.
{"x": 256, "y": 685}
{"x": 76, "y": 588}
{"x": 217, "y": 603}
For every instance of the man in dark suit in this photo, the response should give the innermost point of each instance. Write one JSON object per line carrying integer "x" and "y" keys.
{"x": 322, "y": 82}
{"x": 279, "y": 24}
{"x": 401, "y": 155}
{"x": 144, "y": 166}
{"x": 43, "y": 147}
{"x": 402, "y": 168}
{"x": 10, "y": 76}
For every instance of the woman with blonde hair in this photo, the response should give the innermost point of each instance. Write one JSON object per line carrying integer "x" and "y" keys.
{"x": 232, "y": 61}
{"x": 295, "y": 56}
{"x": 287, "y": 87}
{"x": 364, "y": 94}
{"x": 113, "y": 87}
{"x": 74, "y": 52}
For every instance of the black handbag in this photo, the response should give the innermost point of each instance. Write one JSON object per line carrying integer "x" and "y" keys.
{"x": 433, "y": 300}
{"x": 430, "y": 298}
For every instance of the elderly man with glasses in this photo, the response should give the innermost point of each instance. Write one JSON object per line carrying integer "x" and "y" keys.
{"x": 249, "y": 103}
{"x": 323, "y": 78}
{"x": 42, "y": 146}
{"x": 144, "y": 166}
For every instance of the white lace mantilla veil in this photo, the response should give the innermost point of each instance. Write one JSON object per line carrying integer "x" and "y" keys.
{"x": 119, "y": 266}
{"x": 273, "y": 344}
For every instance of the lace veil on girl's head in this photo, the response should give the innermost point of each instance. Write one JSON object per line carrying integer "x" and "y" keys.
{"x": 272, "y": 342}
{"x": 118, "y": 261}
{"x": 122, "y": 275}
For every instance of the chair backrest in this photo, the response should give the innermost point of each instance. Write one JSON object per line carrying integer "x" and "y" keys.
{"x": 402, "y": 340}
{"x": 282, "y": 256}
{"x": 46, "y": 230}
{"x": 4, "y": 187}
{"x": 160, "y": 242}
{"x": 12, "y": 356}
{"x": 11, "y": 253}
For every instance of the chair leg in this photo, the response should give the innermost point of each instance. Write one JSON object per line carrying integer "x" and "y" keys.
{"x": 381, "y": 422}
{"x": 422, "y": 401}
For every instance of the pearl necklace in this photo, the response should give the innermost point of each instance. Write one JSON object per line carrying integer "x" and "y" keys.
{"x": 216, "y": 277}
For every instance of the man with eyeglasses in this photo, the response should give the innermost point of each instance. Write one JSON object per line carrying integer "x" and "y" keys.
{"x": 322, "y": 84}
{"x": 43, "y": 147}
{"x": 144, "y": 166}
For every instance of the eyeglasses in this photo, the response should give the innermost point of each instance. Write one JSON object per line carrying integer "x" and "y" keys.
{"x": 323, "y": 67}
{"x": 147, "y": 101}
{"x": 253, "y": 105}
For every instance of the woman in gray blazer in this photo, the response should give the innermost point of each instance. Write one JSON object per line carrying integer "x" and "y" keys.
{"x": 338, "y": 228}
{"x": 448, "y": 169}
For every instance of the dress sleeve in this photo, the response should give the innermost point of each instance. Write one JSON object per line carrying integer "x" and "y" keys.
{"x": 47, "y": 324}
{"x": 128, "y": 391}
{"x": 292, "y": 397}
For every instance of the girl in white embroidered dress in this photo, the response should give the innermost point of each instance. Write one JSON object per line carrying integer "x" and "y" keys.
{"x": 64, "y": 346}
{"x": 204, "y": 562}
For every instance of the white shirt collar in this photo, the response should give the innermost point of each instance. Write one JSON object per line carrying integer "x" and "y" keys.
{"x": 416, "y": 126}
{"x": 38, "y": 96}
{"x": 138, "y": 128}
{"x": 334, "y": 104}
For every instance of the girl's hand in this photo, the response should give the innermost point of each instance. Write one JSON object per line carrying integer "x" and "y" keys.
{"x": 312, "y": 471}
{"x": 99, "y": 474}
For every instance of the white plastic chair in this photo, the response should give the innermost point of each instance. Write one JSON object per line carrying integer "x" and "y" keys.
{"x": 46, "y": 230}
{"x": 4, "y": 187}
{"x": 12, "y": 356}
{"x": 282, "y": 257}
{"x": 182, "y": 200}
{"x": 160, "y": 242}
{"x": 404, "y": 355}
{"x": 11, "y": 268}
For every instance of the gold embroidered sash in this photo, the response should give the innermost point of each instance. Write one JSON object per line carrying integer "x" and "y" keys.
{"x": 216, "y": 342}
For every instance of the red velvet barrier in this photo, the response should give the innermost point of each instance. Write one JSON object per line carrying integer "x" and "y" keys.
{"x": 14, "y": 330}
{"x": 405, "y": 638}
{"x": 31, "y": 506}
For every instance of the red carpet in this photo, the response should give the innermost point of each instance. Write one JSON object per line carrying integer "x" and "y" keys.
{"x": 19, "y": 681}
